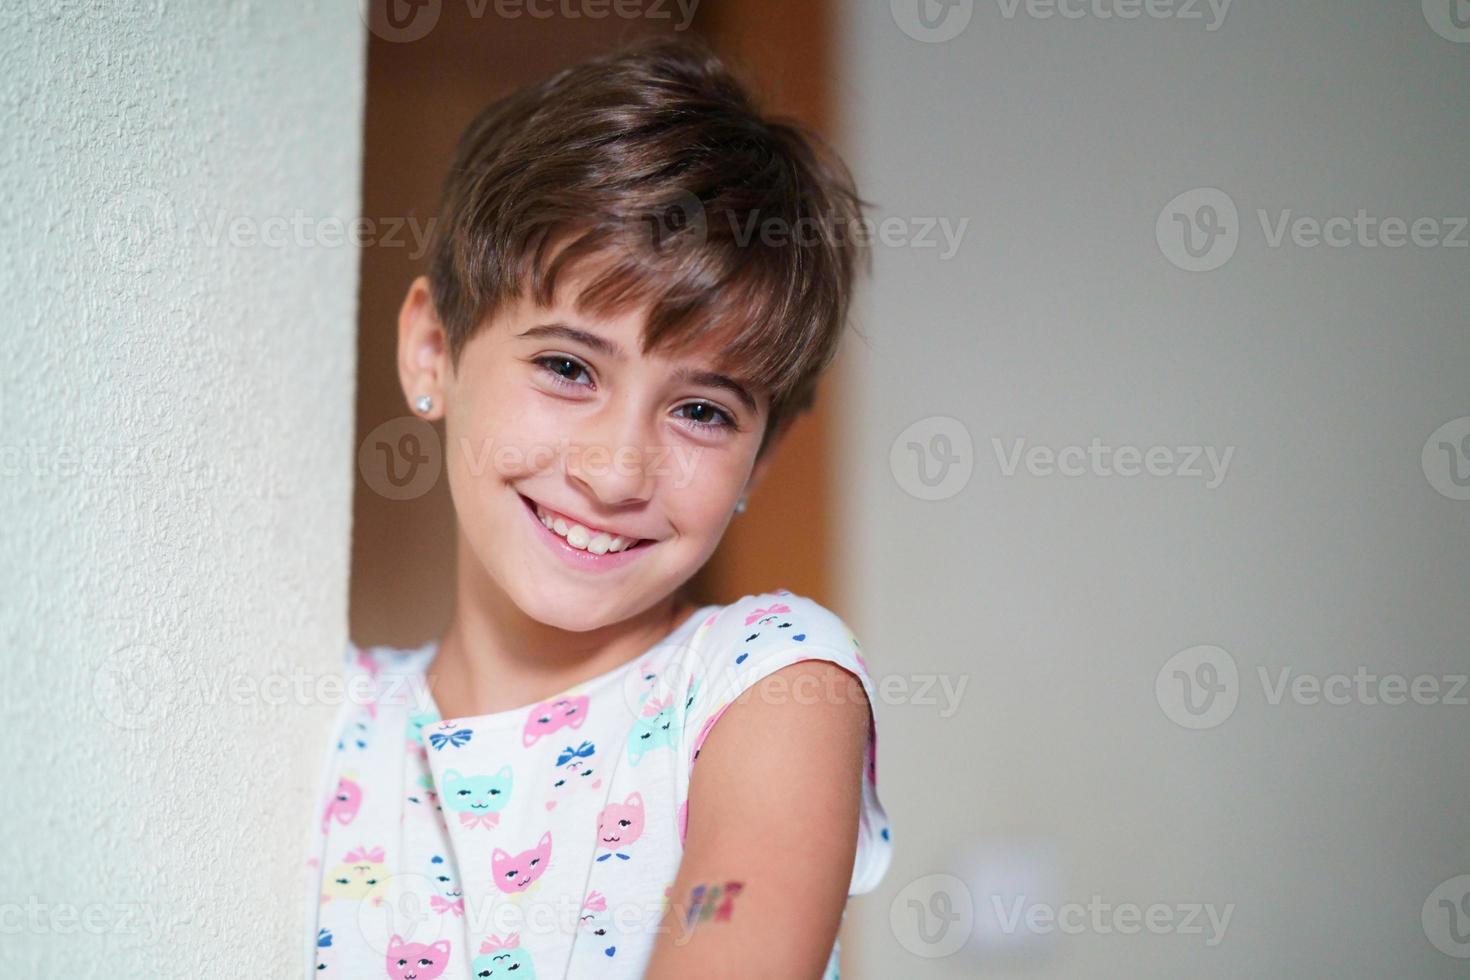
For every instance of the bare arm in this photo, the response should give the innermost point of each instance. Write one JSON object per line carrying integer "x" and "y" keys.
{"x": 773, "y": 810}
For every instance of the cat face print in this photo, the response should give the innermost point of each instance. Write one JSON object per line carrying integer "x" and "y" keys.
{"x": 516, "y": 873}
{"x": 767, "y": 626}
{"x": 503, "y": 958}
{"x": 417, "y": 722}
{"x": 442, "y": 875}
{"x": 550, "y": 716}
{"x": 655, "y": 728}
{"x": 620, "y": 824}
{"x": 344, "y": 804}
{"x": 574, "y": 770}
{"x": 596, "y": 922}
{"x": 359, "y": 873}
{"x": 477, "y": 794}
{"x": 416, "y": 961}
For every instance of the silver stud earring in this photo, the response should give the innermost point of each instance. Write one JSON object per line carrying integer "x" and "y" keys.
{"x": 424, "y": 404}
{"x": 740, "y": 506}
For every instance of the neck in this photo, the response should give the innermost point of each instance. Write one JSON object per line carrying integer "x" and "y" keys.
{"x": 493, "y": 657}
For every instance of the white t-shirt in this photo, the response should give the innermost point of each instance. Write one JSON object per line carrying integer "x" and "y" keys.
{"x": 541, "y": 841}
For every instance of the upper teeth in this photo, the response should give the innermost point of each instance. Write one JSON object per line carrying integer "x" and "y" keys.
{"x": 582, "y": 537}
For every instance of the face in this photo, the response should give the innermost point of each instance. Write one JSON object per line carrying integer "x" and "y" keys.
{"x": 554, "y": 416}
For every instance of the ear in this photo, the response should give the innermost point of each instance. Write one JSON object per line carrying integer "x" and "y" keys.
{"x": 423, "y": 350}
{"x": 545, "y": 840}
{"x": 634, "y": 800}
{"x": 452, "y": 774}
{"x": 504, "y": 773}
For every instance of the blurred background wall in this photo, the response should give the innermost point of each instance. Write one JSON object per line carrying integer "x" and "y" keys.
{"x": 176, "y": 406}
{"x": 1337, "y": 542}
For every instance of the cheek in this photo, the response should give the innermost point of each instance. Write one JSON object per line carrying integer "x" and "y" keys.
{"x": 501, "y": 438}
{"x": 700, "y": 488}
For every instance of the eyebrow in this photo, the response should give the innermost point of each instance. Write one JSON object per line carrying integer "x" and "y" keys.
{"x": 608, "y": 348}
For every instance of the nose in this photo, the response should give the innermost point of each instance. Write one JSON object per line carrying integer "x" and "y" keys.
{"x": 612, "y": 459}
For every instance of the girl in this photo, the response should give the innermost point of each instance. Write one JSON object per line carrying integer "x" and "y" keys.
{"x": 635, "y": 283}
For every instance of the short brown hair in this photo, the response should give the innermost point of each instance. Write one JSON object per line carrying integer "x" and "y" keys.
{"x": 655, "y": 160}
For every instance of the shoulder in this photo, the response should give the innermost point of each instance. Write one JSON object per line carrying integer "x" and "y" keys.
{"x": 775, "y": 648}
{"x": 771, "y": 626}
{"x": 780, "y": 705}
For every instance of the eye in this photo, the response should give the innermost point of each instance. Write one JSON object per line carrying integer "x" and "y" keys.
{"x": 625, "y": 823}
{"x": 561, "y": 782}
{"x": 426, "y": 962}
{"x": 463, "y": 792}
{"x": 562, "y": 369}
{"x": 703, "y": 415}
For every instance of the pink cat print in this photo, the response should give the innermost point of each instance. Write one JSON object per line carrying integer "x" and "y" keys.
{"x": 514, "y": 874}
{"x": 548, "y": 716}
{"x": 416, "y": 961}
{"x": 344, "y": 804}
{"x": 619, "y": 825}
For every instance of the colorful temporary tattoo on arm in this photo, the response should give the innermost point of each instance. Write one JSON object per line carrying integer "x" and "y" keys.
{"x": 714, "y": 902}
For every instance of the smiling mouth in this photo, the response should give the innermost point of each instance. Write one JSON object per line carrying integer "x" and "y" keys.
{"x": 581, "y": 537}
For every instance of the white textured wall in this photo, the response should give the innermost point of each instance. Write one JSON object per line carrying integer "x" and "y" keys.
{"x": 177, "y": 468}
{"x": 1325, "y": 550}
